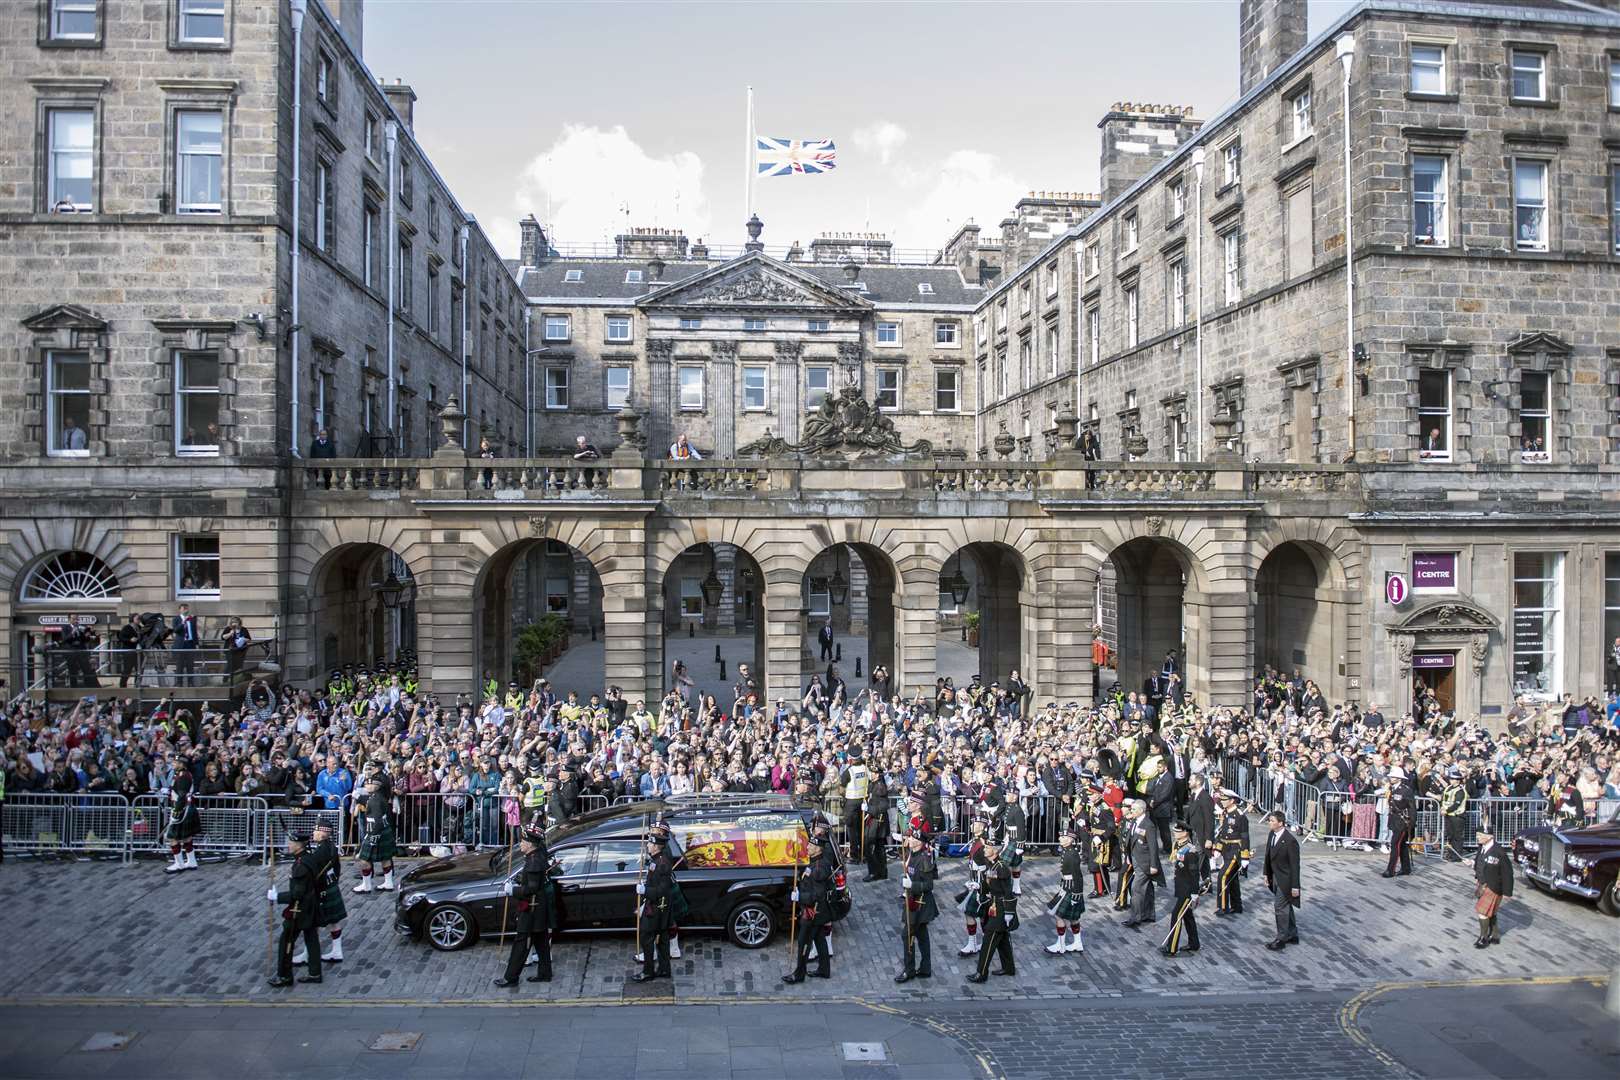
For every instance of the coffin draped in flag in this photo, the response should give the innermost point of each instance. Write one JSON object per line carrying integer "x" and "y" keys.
{"x": 784, "y": 157}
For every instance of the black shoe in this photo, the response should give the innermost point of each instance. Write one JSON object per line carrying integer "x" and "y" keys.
{"x": 644, "y": 976}
{"x": 868, "y": 879}
{"x": 663, "y": 973}
{"x": 279, "y": 982}
{"x": 925, "y": 974}
{"x": 1275, "y": 946}
{"x": 905, "y": 977}
{"x": 1193, "y": 949}
{"x": 540, "y": 978}
{"x": 1291, "y": 941}
{"x": 789, "y": 979}
{"x": 309, "y": 978}
{"x": 504, "y": 981}
{"x": 1481, "y": 943}
{"x": 821, "y": 974}
{"x": 1005, "y": 973}
{"x": 1387, "y": 873}
{"x": 1494, "y": 941}
{"x": 1166, "y": 952}
{"x": 976, "y": 978}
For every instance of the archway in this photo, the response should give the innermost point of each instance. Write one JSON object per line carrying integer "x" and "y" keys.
{"x": 65, "y": 594}
{"x": 1140, "y": 596}
{"x": 713, "y": 624}
{"x": 538, "y": 614}
{"x": 1300, "y": 615}
{"x": 983, "y": 585}
{"x": 849, "y": 590}
{"x": 362, "y": 609}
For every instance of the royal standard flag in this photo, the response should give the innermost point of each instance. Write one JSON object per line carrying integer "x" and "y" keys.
{"x": 784, "y": 157}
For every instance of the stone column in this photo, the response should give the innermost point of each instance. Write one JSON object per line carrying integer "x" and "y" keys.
{"x": 444, "y": 625}
{"x": 725, "y": 565}
{"x": 789, "y": 407}
{"x": 625, "y": 624}
{"x": 916, "y": 618}
{"x": 860, "y": 601}
{"x": 659, "y": 421}
{"x": 1220, "y": 646}
{"x": 1064, "y": 617}
{"x": 784, "y": 631}
{"x": 723, "y": 397}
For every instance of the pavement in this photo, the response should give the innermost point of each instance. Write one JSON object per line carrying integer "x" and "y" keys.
{"x": 1384, "y": 983}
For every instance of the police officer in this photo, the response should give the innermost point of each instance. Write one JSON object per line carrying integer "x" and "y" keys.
{"x": 1493, "y": 883}
{"x": 1454, "y": 813}
{"x": 1231, "y": 854}
{"x": 918, "y": 872}
{"x": 302, "y": 900}
{"x": 855, "y": 780}
{"x": 534, "y": 797}
{"x": 875, "y": 834}
{"x": 999, "y": 914}
{"x": 1068, "y": 905}
{"x": 813, "y": 896}
{"x": 324, "y": 862}
{"x": 656, "y": 891}
{"x": 532, "y": 890}
{"x": 377, "y": 838}
{"x": 1189, "y": 876}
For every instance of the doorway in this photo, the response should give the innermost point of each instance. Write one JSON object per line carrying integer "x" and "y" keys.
{"x": 1436, "y": 672}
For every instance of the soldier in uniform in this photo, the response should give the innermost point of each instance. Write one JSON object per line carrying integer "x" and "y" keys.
{"x": 1493, "y": 882}
{"x": 377, "y": 836}
{"x": 999, "y": 918}
{"x": 532, "y": 890}
{"x": 323, "y": 860}
{"x": 1068, "y": 905}
{"x": 1104, "y": 846}
{"x": 657, "y": 893}
{"x": 1231, "y": 854}
{"x": 1402, "y": 817}
{"x": 918, "y": 871}
{"x": 1189, "y": 878}
{"x": 185, "y": 822}
{"x": 814, "y": 896}
{"x": 1454, "y": 813}
{"x": 876, "y": 834}
{"x": 971, "y": 900}
{"x": 1142, "y": 854}
{"x": 302, "y": 898}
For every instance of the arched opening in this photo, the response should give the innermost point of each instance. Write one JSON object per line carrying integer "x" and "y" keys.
{"x": 538, "y": 614}
{"x": 66, "y": 604}
{"x": 848, "y": 595}
{"x": 1297, "y": 611}
{"x": 713, "y": 626}
{"x": 362, "y": 609}
{"x": 1140, "y": 595}
{"x": 982, "y": 631}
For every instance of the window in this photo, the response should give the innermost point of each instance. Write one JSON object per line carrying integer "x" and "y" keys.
{"x": 1094, "y": 333}
{"x": 691, "y": 324}
{"x": 1611, "y": 618}
{"x": 196, "y": 403}
{"x": 818, "y": 326}
{"x": 196, "y": 566}
{"x": 1428, "y": 69}
{"x": 1176, "y": 287}
{"x": 1614, "y": 209}
{"x": 71, "y": 163}
{"x": 325, "y": 231}
{"x": 618, "y": 328}
{"x": 1530, "y": 205}
{"x": 1535, "y": 436}
{"x": 67, "y": 404}
{"x": 1093, "y": 260}
{"x": 755, "y": 384}
{"x": 1429, "y": 227}
{"x": 1026, "y": 362}
{"x": 433, "y": 216}
{"x": 753, "y": 324}
{"x": 1538, "y": 589}
{"x": 370, "y": 242}
{"x": 407, "y": 185}
{"x": 1434, "y": 415}
{"x": 1001, "y": 373}
{"x": 323, "y": 78}
{"x": 945, "y": 333}
{"x": 691, "y": 387}
{"x": 817, "y": 385}
{"x": 433, "y": 298}
{"x": 984, "y": 383}
{"x": 1232, "y": 265}
{"x": 556, "y": 328}
{"x": 818, "y": 598}
{"x": 888, "y": 389}
{"x": 888, "y": 333}
{"x": 1178, "y": 436}
{"x": 1052, "y": 278}
{"x": 691, "y": 598}
{"x": 925, "y": 288}
{"x": 403, "y": 301}
{"x": 947, "y": 390}
{"x": 1133, "y": 324}
{"x": 1614, "y": 82}
{"x": 1231, "y": 163}
{"x": 373, "y": 137}
{"x": 1133, "y": 231}
{"x": 556, "y": 388}
{"x": 1299, "y": 108}
{"x": 1529, "y": 75}
{"x": 200, "y": 153}
{"x": 1051, "y": 350}
{"x": 617, "y": 385}
{"x": 73, "y": 20}
{"x": 1001, "y": 315}
{"x": 573, "y": 277}
{"x": 632, "y": 277}
{"x": 1297, "y": 221}
{"x": 557, "y": 590}
{"x": 202, "y": 21}
{"x": 1024, "y": 299}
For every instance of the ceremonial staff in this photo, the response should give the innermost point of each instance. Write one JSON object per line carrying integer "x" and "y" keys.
{"x": 793, "y": 917}
{"x": 905, "y": 899}
{"x": 641, "y": 880}
{"x": 506, "y": 901}
{"x": 270, "y": 914}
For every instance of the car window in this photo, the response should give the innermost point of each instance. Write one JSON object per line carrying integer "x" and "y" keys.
{"x": 618, "y": 857}
{"x": 574, "y": 861}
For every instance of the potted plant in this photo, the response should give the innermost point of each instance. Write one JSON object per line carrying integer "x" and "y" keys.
{"x": 971, "y": 621}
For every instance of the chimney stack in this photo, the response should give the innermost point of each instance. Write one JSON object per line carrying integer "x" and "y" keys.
{"x": 533, "y": 247}
{"x": 403, "y": 99}
{"x": 351, "y": 18}
{"x": 1136, "y": 137}
{"x": 1269, "y": 32}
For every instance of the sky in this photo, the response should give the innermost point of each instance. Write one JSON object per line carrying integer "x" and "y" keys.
{"x": 595, "y": 116}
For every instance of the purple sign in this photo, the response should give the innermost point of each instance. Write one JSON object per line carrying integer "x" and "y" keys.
{"x": 1434, "y": 570}
{"x": 1430, "y": 660}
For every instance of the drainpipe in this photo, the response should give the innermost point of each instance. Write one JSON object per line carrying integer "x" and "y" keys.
{"x": 1198, "y": 301}
{"x": 466, "y": 299}
{"x": 1345, "y": 48}
{"x": 392, "y": 138}
{"x": 528, "y": 390}
{"x": 298, "y": 9}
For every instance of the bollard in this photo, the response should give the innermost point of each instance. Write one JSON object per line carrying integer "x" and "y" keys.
{"x": 964, "y": 632}
{"x": 838, "y": 653}
{"x": 717, "y": 653}
{"x": 857, "y": 667}
{"x": 722, "y": 668}
{"x": 691, "y": 628}
{"x": 593, "y": 631}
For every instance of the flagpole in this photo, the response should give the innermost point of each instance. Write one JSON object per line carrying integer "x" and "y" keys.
{"x": 748, "y": 160}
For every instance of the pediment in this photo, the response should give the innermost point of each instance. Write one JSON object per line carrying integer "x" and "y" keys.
{"x": 64, "y": 317}
{"x": 757, "y": 282}
{"x": 1541, "y": 341}
{"x": 1453, "y": 614}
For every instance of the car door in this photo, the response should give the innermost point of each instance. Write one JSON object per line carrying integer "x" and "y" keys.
{"x": 568, "y": 884}
{"x": 608, "y": 899}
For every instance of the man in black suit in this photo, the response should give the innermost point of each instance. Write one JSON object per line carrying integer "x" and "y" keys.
{"x": 1493, "y": 883}
{"x": 1282, "y": 878}
{"x": 825, "y": 637}
{"x": 1201, "y": 819}
{"x": 186, "y": 640}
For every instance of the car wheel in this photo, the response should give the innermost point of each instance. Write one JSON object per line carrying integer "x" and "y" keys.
{"x": 1609, "y": 899}
{"x": 450, "y": 928}
{"x": 751, "y": 924}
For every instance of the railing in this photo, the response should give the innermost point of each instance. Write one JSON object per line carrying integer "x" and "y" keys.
{"x": 713, "y": 477}
{"x": 551, "y": 477}
{"x": 981, "y": 478}
{"x": 1150, "y": 480}
{"x": 231, "y": 825}
{"x": 360, "y": 475}
{"x": 207, "y": 667}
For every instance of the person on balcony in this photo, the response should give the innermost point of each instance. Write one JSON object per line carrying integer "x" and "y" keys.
{"x": 323, "y": 446}
{"x": 682, "y": 450}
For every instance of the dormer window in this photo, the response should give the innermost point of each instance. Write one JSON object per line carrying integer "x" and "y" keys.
{"x": 926, "y": 288}
{"x": 573, "y": 277}
{"x": 632, "y": 277}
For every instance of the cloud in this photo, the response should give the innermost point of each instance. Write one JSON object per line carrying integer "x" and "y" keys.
{"x": 590, "y": 176}
{"x": 967, "y": 184}
{"x": 883, "y": 138}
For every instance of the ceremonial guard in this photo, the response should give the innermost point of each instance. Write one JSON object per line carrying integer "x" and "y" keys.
{"x": 1402, "y": 817}
{"x": 1189, "y": 879}
{"x": 971, "y": 898}
{"x": 854, "y": 780}
{"x": 1142, "y": 864}
{"x": 377, "y": 833}
{"x": 918, "y": 872}
{"x": 302, "y": 898}
{"x": 1000, "y": 914}
{"x": 875, "y": 835}
{"x": 1454, "y": 814}
{"x": 1231, "y": 854}
{"x": 185, "y": 822}
{"x": 323, "y": 859}
{"x": 813, "y": 895}
{"x": 1493, "y": 877}
{"x": 1104, "y": 845}
{"x": 1069, "y": 904}
{"x": 656, "y": 891}
{"x": 532, "y": 891}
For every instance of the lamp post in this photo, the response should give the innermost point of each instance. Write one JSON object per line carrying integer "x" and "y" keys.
{"x": 390, "y": 591}
{"x": 1345, "y": 49}
{"x": 838, "y": 587}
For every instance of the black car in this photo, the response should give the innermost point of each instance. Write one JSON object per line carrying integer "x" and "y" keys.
{"x": 1582, "y": 861}
{"x": 735, "y": 859}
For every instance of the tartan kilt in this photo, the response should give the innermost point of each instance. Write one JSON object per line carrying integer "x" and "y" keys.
{"x": 1070, "y": 906}
{"x": 332, "y": 909}
{"x": 679, "y": 909}
{"x": 378, "y": 846}
{"x": 1485, "y": 907}
{"x": 185, "y": 823}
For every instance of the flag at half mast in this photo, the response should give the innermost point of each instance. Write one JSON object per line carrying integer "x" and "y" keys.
{"x": 785, "y": 157}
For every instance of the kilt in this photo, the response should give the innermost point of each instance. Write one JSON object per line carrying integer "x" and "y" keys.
{"x": 378, "y": 846}
{"x": 679, "y": 909}
{"x": 973, "y": 904}
{"x": 184, "y": 824}
{"x": 1485, "y": 907}
{"x": 1071, "y": 904}
{"x": 332, "y": 909}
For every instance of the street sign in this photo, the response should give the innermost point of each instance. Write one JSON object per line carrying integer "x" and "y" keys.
{"x": 1396, "y": 588}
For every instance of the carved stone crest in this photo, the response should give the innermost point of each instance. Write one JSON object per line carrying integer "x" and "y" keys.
{"x": 537, "y": 525}
{"x": 1155, "y": 524}
{"x": 754, "y": 287}
{"x": 846, "y": 425}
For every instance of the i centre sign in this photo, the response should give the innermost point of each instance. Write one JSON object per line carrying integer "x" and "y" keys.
{"x": 1396, "y": 589}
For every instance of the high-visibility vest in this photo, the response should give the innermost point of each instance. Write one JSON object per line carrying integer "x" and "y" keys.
{"x": 856, "y": 788}
{"x": 492, "y": 690}
{"x": 534, "y": 794}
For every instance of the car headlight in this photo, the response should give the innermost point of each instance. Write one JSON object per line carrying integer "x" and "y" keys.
{"x": 1531, "y": 846}
{"x": 1575, "y": 862}
{"x": 412, "y": 900}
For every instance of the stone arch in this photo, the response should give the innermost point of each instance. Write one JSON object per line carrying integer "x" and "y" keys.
{"x": 747, "y": 556}
{"x": 38, "y": 540}
{"x": 1307, "y": 578}
{"x": 868, "y": 616}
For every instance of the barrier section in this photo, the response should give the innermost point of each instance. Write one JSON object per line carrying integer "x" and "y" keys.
{"x": 1509, "y": 817}
{"x": 98, "y": 824}
{"x": 36, "y": 823}
{"x": 284, "y": 820}
{"x": 1349, "y": 820}
{"x": 231, "y": 825}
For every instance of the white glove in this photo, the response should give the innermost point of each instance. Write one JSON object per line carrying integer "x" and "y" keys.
{"x": 641, "y": 888}
{"x": 795, "y": 896}
{"x": 507, "y": 888}
{"x": 270, "y": 894}
{"x": 905, "y": 882}
{"x": 1245, "y": 864}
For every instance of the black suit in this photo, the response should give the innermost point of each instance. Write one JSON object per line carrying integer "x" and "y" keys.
{"x": 185, "y": 643}
{"x": 825, "y": 637}
{"x": 1282, "y": 874}
{"x": 1201, "y": 823}
{"x": 1402, "y": 818}
{"x": 532, "y": 891}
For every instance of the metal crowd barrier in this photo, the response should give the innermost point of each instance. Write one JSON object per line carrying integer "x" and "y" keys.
{"x": 37, "y": 823}
{"x": 231, "y": 825}
{"x": 1348, "y": 819}
{"x": 281, "y": 821}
